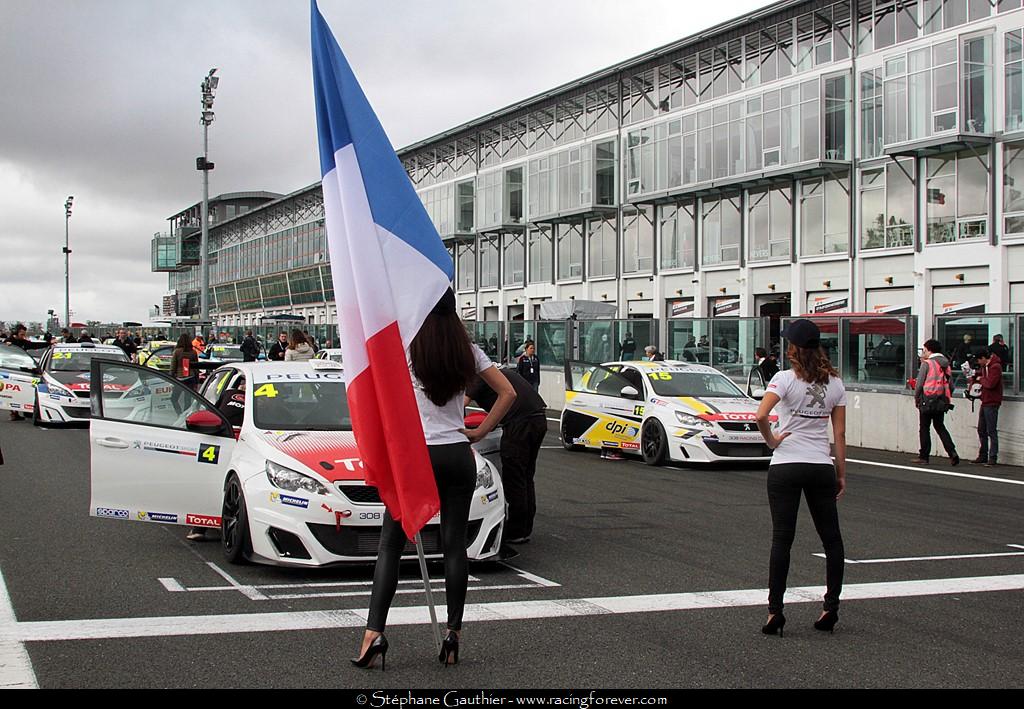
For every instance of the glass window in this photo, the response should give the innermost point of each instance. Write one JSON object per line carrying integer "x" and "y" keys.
{"x": 963, "y": 337}
{"x": 514, "y": 251}
{"x": 871, "y": 114}
{"x": 489, "y": 262}
{"x": 1013, "y": 188}
{"x": 550, "y": 341}
{"x": 604, "y": 173}
{"x": 466, "y": 266}
{"x": 720, "y": 231}
{"x": 275, "y": 291}
{"x": 677, "y": 226}
{"x": 601, "y": 238}
{"x": 539, "y": 244}
{"x": 689, "y": 340}
{"x": 874, "y": 351}
{"x": 637, "y": 240}
{"x": 957, "y": 196}
{"x": 770, "y": 223}
{"x": 887, "y": 205}
{"x": 161, "y": 401}
{"x": 977, "y": 83}
{"x": 513, "y": 196}
{"x": 1014, "y": 80}
{"x": 570, "y": 250}
{"x": 837, "y": 117}
{"x": 488, "y": 194}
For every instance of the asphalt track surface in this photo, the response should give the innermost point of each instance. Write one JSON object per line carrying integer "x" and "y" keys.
{"x": 605, "y": 529}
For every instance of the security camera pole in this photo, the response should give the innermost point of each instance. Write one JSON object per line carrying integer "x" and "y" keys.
{"x": 208, "y": 86}
{"x": 67, "y": 254}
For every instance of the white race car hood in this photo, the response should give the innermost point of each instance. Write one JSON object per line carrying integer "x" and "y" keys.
{"x": 732, "y": 408}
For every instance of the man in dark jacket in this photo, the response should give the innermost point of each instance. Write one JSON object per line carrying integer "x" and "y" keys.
{"x": 1000, "y": 350}
{"x": 250, "y": 348}
{"x": 126, "y": 344}
{"x": 523, "y": 430}
{"x": 765, "y": 364}
{"x": 990, "y": 376}
{"x": 20, "y": 339}
{"x": 276, "y": 353}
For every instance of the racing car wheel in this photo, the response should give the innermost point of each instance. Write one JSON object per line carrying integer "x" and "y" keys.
{"x": 234, "y": 520}
{"x": 653, "y": 443}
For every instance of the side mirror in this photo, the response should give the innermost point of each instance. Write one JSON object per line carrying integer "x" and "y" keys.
{"x": 204, "y": 422}
{"x": 757, "y": 393}
{"x": 629, "y": 392}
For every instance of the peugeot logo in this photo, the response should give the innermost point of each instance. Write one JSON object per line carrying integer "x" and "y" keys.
{"x": 749, "y": 427}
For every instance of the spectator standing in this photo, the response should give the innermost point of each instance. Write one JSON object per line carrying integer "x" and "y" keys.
{"x": 933, "y": 397}
{"x": 962, "y": 352}
{"x": 276, "y": 353}
{"x": 528, "y": 366}
{"x": 765, "y": 364}
{"x": 627, "y": 349}
{"x": 126, "y": 344}
{"x": 311, "y": 341}
{"x": 84, "y": 338}
{"x": 990, "y": 376}
{"x": 183, "y": 367}
{"x": 250, "y": 348}
{"x": 199, "y": 345}
{"x": 19, "y": 338}
{"x": 66, "y": 336}
{"x": 651, "y": 354}
{"x": 1000, "y": 350}
{"x": 298, "y": 349}
{"x": 523, "y": 431}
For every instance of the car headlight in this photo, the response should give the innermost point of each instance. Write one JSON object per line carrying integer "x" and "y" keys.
{"x": 59, "y": 390}
{"x": 138, "y": 391}
{"x": 484, "y": 476}
{"x": 691, "y": 420}
{"x": 288, "y": 479}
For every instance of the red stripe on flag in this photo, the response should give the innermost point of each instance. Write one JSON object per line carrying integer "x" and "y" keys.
{"x": 389, "y": 434}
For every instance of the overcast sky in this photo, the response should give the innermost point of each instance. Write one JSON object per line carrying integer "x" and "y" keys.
{"x": 100, "y": 99}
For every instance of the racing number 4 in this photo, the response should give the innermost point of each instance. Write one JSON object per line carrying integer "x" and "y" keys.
{"x": 209, "y": 454}
{"x": 266, "y": 390}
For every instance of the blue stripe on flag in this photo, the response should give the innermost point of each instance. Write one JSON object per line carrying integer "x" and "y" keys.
{"x": 344, "y": 117}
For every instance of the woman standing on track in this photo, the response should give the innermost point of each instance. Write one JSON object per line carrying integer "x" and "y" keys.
{"x": 443, "y": 362}
{"x": 808, "y": 395}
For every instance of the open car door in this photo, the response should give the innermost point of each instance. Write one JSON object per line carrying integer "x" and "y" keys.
{"x": 159, "y": 451}
{"x": 602, "y": 408}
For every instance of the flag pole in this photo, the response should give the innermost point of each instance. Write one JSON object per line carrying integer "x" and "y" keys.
{"x": 426, "y": 588}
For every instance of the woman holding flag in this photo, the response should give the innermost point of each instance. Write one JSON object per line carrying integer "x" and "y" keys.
{"x": 443, "y": 362}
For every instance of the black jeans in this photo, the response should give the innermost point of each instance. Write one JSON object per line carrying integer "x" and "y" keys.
{"x": 520, "y": 444}
{"x": 818, "y": 484}
{"x": 455, "y": 474}
{"x": 937, "y": 420}
{"x": 988, "y": 418}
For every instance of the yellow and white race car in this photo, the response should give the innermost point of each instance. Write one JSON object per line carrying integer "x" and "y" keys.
{"x": 664, "y": 411}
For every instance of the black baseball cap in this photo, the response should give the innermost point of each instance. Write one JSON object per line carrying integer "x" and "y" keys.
{"x": 803, "y": 333}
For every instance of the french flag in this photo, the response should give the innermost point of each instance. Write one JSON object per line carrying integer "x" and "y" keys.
{"x": 389, "y": 268}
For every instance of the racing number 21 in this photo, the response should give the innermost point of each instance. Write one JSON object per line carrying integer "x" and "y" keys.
{"x": 209, "y": 454}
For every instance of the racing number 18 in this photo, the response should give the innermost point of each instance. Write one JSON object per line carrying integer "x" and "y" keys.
{"x": 209, "y": 454}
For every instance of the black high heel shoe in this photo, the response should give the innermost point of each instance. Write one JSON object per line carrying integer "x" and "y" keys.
{"x": 774, "y": 625}
{"x": 449, "y": 649}
{"x": 827, "y": 622}
{"x": 379, "y": 646}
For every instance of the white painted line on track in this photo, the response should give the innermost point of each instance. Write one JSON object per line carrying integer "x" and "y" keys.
{"x": 947, "y": 473}
{"x": 173, "y": 586}
{"x": 15, "y": 665}
{"x": 168, "y": 626}
{"x": 539, "y": 580}
{"x": 436, "y": 587}
{"x": 248, "y": 591}
{"x": 940, "y": 557}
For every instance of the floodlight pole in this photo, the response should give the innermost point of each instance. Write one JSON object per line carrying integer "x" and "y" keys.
{"x": 67, "y": 262}
{"x": 206, "y": 118}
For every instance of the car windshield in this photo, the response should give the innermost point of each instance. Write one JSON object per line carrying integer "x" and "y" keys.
{"x": 317, "y": 405}
{"x": 15, "y": 358}
{"x": 666, "y": 382}
{"x": 228, "y": 354}
{"x": 78, "y": 360}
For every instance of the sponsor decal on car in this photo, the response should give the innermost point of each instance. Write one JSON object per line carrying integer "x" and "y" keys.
{"x": 289, "y": 500}
{"x": 492, "y": 496}
{"x": 627, "y": 446}
{"x": 621, "y": 429}
{"x": 610, "y": 444}
{"x": 202, "y": 520}
{"x": 156, "y": 447}
{"x": 111, "y": 512}
{"x": 157, "y": 517}
{"x": 11, "y": 387}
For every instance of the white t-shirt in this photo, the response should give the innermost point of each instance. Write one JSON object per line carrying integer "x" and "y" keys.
{"x": 441, "y": 424}
{"x": 804, "y": 411}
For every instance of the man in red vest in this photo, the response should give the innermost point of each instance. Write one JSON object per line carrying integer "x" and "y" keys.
{"x": 933, "y": 396}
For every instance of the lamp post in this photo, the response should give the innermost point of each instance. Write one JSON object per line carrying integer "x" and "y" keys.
{"x": 207, "y": 88}
{"x": 67, "y": 254}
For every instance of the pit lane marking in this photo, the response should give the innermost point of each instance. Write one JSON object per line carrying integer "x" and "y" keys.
{"x": 169, "y": 626}
{"x": 938, "y": 557}
{"x": 255, "y": 592}
{"x": 15, "y": 665}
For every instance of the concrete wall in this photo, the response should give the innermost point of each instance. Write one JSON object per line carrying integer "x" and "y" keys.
{"x": 888, "y": 422}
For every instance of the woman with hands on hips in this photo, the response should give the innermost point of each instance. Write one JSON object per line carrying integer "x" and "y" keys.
{"x": 808, "y": 396}
{"x": 443, "y": 362}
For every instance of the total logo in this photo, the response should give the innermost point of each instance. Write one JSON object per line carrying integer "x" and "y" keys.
{"x": 111, "y": 512}
{"x": 621, "y": 429}
{"x": 202, "y": 521}
{"x": 157, "y": 517}
{"x": 289, "y": 500}
{"x": 629, "y": 446}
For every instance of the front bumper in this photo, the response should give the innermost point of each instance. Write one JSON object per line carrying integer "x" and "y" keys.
{"x": 61, "y": 409}
{"x": 336, "y": 529}
{"x": 688, "y": 445}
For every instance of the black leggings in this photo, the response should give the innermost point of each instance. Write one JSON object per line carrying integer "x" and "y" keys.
{"x": 818, "y": 483}
{"x": 455, "y": 473}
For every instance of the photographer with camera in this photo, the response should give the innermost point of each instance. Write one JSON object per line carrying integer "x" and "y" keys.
{"x": 987, "y": 385}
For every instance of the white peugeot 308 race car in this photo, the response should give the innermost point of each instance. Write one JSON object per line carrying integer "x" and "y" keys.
{"x": 62, "y": 394}
{"x": 664, "y": 411}
{"x": 284, "y": 484}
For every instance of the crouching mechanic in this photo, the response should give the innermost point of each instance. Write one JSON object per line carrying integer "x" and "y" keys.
{"x": 523, "y": 429}
{"x": 232, "y": 405}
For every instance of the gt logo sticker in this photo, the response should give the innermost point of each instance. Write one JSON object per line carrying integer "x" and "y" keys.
{"x": 209, "y": 454}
